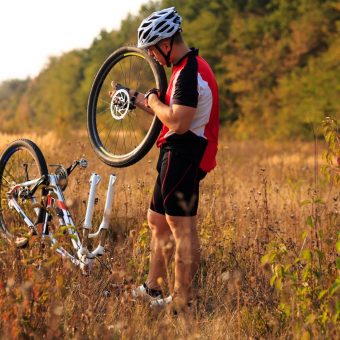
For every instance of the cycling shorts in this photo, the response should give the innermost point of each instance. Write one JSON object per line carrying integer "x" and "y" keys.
{"x": 176, "y": 191}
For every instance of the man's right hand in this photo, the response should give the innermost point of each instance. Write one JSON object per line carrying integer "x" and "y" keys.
{"x": 116, "y": 87}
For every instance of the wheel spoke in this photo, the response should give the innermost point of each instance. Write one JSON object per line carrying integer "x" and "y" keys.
{"x": 118, "y": 136}
{"x": 22, "y": 161}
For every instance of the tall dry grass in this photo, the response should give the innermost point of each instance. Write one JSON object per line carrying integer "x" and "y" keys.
{"x": 256, "y": 199}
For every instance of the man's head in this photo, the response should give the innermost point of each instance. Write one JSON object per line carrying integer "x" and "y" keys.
{"x": 159, "y": 31}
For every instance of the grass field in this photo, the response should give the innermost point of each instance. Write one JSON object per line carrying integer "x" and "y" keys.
{"x": 268, "y": 221}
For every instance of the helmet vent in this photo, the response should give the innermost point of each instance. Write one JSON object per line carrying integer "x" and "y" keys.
{"x": 171, "y": 15}
{"x": 153, "y": 38}
{"x": 158, "y": 26}
{"x": 164, "y": 28}
{"x": 146, "y": 33}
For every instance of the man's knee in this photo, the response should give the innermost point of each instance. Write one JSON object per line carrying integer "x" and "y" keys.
{"x": 181, "y": 225}
{"x": 158, "y": 223}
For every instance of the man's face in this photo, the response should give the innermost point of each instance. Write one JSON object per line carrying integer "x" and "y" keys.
{"x": 154, "y": 52}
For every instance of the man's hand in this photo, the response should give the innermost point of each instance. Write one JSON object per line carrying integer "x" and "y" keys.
{"x": 131, "y": 93}
{"x": 116, "y": 87}
{"x": 148, "y": 93}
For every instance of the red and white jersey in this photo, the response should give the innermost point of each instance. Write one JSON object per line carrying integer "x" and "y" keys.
{"x": 193, "y": 84}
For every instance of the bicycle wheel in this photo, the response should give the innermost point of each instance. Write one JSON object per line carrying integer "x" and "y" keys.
{"x": 121, "y": 136}
{"x": 22, "y": 161}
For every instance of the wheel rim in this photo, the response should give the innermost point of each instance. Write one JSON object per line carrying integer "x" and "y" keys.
{"x": 20, "y": 166}
{"x": 119, "y": 130}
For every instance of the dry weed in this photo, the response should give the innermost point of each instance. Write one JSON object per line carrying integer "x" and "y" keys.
{"x": 252, "y": 198}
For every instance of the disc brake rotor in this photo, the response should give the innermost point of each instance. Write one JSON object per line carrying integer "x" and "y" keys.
{"x": 120, "y": 104}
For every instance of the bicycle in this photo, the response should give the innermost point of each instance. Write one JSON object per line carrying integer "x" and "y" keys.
{"x": 31, "y": 199}
{"x": 33, "y": 204}
{"x": 120, "y": 132}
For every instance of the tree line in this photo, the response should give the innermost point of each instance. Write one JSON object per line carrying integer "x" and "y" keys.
{"x": 277, "y": 63}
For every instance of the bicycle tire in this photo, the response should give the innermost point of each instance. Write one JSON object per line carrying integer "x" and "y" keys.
{"x": 19, "y": 151}
{"x": 135, "y": 69}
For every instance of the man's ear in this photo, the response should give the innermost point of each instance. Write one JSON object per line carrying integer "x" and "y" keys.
{"x": 166, "y": 44}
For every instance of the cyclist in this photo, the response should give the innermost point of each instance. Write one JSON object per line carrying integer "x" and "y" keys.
{"x": 188, "y": 147}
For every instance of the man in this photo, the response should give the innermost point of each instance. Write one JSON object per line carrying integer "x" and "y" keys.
{"x": 188, "y": 147}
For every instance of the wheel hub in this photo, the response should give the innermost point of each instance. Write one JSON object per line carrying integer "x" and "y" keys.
{"x": 120, "y": 104}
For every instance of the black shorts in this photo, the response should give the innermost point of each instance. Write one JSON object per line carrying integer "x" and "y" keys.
{"x": 176, "y": 190}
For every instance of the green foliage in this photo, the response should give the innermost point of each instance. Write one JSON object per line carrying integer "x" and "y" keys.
{"x": 13, "y": 99}
{"x": 305, "y": 292}
{"x": 58, "y": 81}
{"x": 139, "y": 263}
{"x": 306, "y": 276}
{"x": 284, "y": 68}
{"x": 332, "y": 154}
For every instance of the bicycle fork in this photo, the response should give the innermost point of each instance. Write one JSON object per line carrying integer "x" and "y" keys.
{"x": 83, "y": 252}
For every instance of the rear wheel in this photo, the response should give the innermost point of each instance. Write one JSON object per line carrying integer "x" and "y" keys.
{"x": 22, "y": 161}
{"x": 122, "y": 134}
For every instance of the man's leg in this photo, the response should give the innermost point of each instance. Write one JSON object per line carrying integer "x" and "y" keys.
{"x": 162, "y": 247}
{"x": 187, "y": 255}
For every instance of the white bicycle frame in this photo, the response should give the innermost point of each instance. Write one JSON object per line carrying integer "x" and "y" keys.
{"x": 55, "y": 198}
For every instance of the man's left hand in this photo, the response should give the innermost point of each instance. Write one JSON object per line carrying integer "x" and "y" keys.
{"x": 148, "y": 93}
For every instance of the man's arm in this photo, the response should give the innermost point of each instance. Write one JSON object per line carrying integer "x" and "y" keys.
{"x": 139, "y": 102}
{"x": 139, "y": 97}
{"x": 177, "y": 118}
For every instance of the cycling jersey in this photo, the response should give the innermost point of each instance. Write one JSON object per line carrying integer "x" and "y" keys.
{"x": 193, "y": 84}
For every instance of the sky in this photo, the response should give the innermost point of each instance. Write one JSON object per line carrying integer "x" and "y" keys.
{"x": 33, "y": 30}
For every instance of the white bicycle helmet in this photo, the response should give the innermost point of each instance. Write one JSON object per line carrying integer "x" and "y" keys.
{"x": 158, "y": 26}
